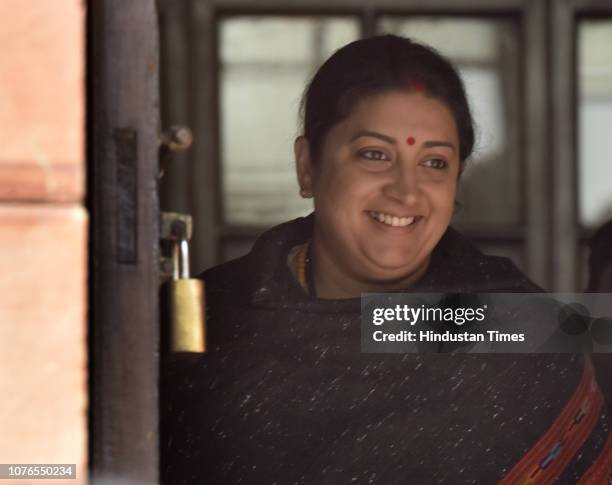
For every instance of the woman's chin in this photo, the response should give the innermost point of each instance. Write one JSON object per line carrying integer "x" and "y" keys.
{"x": 391, "y": 268}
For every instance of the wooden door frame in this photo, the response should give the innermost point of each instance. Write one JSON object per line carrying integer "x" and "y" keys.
{"x": 567, "y": 232}
{"x": 123, "y": 139}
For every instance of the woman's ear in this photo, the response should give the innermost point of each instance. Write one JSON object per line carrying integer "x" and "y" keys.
{"x": 304, "y": 166}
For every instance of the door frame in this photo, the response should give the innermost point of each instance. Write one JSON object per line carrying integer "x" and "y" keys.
{"x": 567, "y": 232}
{"x": 122, "y": 153}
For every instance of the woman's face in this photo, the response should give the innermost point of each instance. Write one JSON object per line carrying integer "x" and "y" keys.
{"x": 384, "y": 185}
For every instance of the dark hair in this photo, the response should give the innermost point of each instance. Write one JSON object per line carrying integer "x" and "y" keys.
{"x": 600, "y": 256}
{"x": 374, "y": 65}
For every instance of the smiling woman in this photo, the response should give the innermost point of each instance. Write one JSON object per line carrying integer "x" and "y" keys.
{"x": 284, "y": 394}
{"x": 381, "y": 204}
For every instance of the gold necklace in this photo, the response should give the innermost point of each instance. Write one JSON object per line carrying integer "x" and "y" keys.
{"x": 301, "y": 265}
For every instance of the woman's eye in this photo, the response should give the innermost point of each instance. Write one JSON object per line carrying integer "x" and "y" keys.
{"x": 374, "y": 155}
{"x": 436, "y": 163}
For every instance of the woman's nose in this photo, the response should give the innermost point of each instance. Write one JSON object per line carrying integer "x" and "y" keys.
{"x": 403, "y": 185}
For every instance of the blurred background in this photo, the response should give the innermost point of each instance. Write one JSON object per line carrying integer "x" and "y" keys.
{"x": 235, "y": 74}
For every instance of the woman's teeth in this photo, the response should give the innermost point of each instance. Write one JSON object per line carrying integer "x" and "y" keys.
{"x": 392, "y": 220}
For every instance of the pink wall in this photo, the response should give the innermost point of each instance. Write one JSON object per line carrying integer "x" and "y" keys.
{"x": 43, "y": 234}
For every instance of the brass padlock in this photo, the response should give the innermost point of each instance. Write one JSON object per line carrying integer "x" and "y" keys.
{"x": 186, "y": 304}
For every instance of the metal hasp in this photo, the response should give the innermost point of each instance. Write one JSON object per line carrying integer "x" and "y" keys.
{"x": 185, "y": 295}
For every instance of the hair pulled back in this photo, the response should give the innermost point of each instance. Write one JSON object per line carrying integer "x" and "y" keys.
{"x": 374, "y": 65}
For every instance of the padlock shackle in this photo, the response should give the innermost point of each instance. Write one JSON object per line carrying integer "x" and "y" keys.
{"x": 184, "y": 259}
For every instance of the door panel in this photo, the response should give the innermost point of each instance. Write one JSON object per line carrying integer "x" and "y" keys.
{"x": 122, "y": 152}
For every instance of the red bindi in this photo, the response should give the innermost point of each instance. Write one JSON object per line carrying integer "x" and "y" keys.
{"x": 410, "y": 140}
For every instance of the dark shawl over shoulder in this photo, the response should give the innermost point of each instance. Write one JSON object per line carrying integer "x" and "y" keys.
{"x": 285, "y": 395}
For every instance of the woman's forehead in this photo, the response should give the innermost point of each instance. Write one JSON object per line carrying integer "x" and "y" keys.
{"x": 401, "y": 114}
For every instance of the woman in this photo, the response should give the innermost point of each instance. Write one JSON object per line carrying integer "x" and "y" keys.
{"x": 285, "y": 394}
